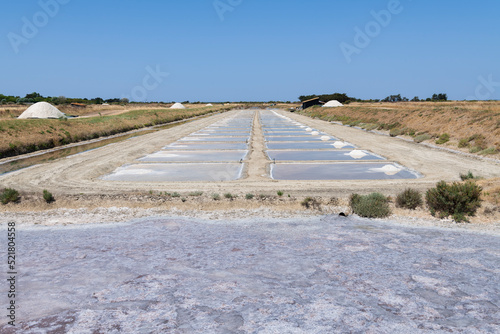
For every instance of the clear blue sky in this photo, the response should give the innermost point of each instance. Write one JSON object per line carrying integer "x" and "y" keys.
{"x": 262, "y": 50}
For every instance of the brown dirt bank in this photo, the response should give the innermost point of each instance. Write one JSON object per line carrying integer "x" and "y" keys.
{"x": 477, "y": 124}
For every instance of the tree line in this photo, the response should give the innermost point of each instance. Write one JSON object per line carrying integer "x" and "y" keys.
{"x": 37, "y": 97}
{"x": 344, "y": 99}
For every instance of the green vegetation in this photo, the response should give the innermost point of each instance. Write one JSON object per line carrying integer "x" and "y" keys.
{"x": 421, "y": 138}
{"x": 216, "y": 197}
{"x": 468, "y": 176}
{"x": 48, "y": 197}
{"x": 176, "y": 195}
{"x": 196, "y": 193}
{"x": 443, "y": 139}
{"x": 249, "y": 196}
{"x": 374, "y": 205}
{"x": 457, "y": 200}
{"x": 488, "y": 151}
{"x": 409, "y": 199}
{"x": 9, "y": 195}
{"x": 229, "y": 196}
{"x": 280, "y": 193}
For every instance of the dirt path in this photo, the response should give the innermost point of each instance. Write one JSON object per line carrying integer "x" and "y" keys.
{"x": 79, "y": 174}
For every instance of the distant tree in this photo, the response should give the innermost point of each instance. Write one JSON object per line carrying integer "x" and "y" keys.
{"x": 124, "y": 100}
{"x": 98, "y": 100}
{"x": 439, "y": 97}
{"x": 415, "y": 99}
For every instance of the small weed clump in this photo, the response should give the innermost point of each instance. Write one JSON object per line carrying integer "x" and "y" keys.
{"x": 229, "y": 196}
{"x": 457, "y": 200}
{"x": 468, "y": 176}
{"x": 310, "y": 202}
{"x": 48, "y": 197}
{"x": 216, "y": 197}
{"x": 374, "y": 205}
{"x": 249, "y": 196}
{"x": 9, "y": 196}
{"x": 280, "y": 193}
{"x": 488, "y": 151}
{"x": 422, "y": 138}
{"x": 409, "y": 199}
{"x": 443, "y": 139}
{"x": 176, "y": 195}
{"x": 196, "y": 193}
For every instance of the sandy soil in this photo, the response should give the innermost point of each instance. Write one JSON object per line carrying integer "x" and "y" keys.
{"x": 80, "y": 174}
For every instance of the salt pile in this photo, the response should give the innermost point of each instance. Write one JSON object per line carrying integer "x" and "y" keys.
{"x": 209, "y": 105}
{"x": 177, "y": 106}
{"x": 42, "y": 110}
{"x": 333, "y": 104}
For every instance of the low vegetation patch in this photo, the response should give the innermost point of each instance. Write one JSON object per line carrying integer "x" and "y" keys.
{"x": 216, "y": 197}
{"x": 458, "y": 200}
{"x": 311, "y": 202}
{"x": 229, "y": 196}
{"x": 374, "y": 205}
{"x": 249, "y": 196}
{"x": 196, "y": 193}
{"x": 421, "y": 138}
{"x": 9, "y": 195}
{"x": 443, "y": 139}
{"x": 409, "y": 199}
{"x": 48, "y": 197}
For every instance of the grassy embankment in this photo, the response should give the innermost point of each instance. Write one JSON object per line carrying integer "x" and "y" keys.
{"x": 469, "y": 126}
{"x": 26, "y": 136}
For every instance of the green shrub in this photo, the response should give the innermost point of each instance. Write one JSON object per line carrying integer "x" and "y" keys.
{"x": 176, "y": 195}
{"x": 9, "y": 195}
{"x": 280, "y": 193}
{"x": 468, "y": 176}
{"x": 374, "y": 205}
{"x": 229, "y": 196}
{"x": 397, "y": 132}
{"x": 249, "y": 196}
{"x": 215, "y": 197}
{"x": 422, "y": 138}
{"x": 47, "y": 196}
{"x": 488, "y": 151}
{"x": 310, "y": 202}
{"x": 475, "y": 149}
{"x": 196, "y": 193}
{"x": 443, "y": 139}
{"x": 464, "y": 142}
{"x": 457, "y": 200}
{"x": 409, "y": 199}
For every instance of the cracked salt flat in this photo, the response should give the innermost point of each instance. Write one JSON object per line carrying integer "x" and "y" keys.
{"x": 172, "y": 172}
{"x": 322, "y": 155}
{"x": 315, "y": 275}
{"x": 195, "y": 156}
{"x": 340, "y": 171}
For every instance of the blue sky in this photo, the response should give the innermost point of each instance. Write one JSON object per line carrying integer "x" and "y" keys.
{"x": 260, "y": 51}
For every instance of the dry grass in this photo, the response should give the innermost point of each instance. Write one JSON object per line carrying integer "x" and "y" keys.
{"x": 461, "y": 120}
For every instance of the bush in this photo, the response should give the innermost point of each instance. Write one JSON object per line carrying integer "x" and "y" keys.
{"x": 468, "y": 176}
{"x": 457, "y": 200}
{"x": 374, "y": 205}
{"x": 196, "y": 193}
{"x": 488, "y": 151}
{"x": 464, "y": 142}
{"x": 443, "y": 139}
{"x": 9, "y": 195}
{"x": 176, "y": 195}
{"x": 47, "y": 196}
{"x": 280, "y": 193}
{"x": 215, "y": 197}
{"x": 397, "y": 132}
{"x": 409, "y": 199}
{"x": 422, "y": 138}
{"x": 310, "y": 202}
{"x": 229, "y": 196}
{"x": 249, "y": 196}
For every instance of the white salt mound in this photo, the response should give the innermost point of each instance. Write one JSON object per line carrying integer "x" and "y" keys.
{"x": 177, "y": 106}
{"x": 333, "y": 104}
{"x": 42, "y": 110}
{"x": 209, "y": 105}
